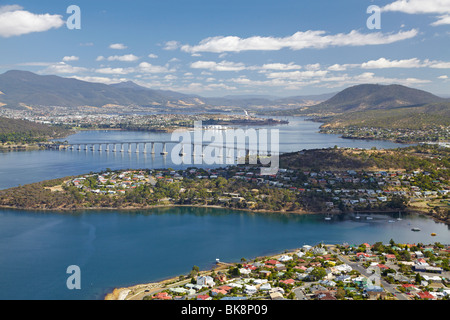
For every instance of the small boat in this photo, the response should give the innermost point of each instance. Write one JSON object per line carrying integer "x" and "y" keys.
{"x": 433, "y": 234}
{"x": 399, "y": 216}
{"x": 327, "y": 218}
{"x": 415, "y": 229}
{"x": 391, "y": 221}
{"x": 369, "y": 218}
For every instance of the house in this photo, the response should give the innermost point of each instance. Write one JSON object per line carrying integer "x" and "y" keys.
{"x": 410, "y": 287}
{"x": 221, "y": 277}
{"x": 288, "y": 281}
{"x": 217, "y": 291}
{"x": 389, "y": 257}
{"x": 204, "y": 297}
{"x": 248, "y": 289}
{"x": 205, "y": 281}
{"x": 276, "y": 296}
{"x": 162, "y": 296}
{"x": 265, "y": 287}
{"x": 425, "y": 295}
{"x": 374, "y": 292}
{"x": 285, "y": 258}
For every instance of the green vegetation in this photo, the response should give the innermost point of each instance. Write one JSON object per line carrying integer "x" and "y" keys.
{"x": 22, "y": 131}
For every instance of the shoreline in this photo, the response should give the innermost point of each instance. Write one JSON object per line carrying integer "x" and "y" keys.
{"x": 168, "y": 206}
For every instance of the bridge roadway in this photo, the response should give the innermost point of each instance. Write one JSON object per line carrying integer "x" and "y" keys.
{"x": 120, "y": 147}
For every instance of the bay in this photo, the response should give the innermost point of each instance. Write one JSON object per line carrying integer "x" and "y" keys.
{"x": 123, "y": 248}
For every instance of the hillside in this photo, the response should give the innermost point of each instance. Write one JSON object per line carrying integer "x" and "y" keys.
{"x": 369, "y": 97}
{"x": 412, "y": 117}
{"x": 22, "y": 131}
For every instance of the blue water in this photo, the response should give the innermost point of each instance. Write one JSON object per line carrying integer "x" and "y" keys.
{"x": 116, "y": 249}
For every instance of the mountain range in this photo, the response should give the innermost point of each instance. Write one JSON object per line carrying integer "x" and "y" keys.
{"x": 20, "y": 89}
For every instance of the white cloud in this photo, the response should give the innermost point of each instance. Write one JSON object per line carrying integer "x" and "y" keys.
{"x": 419, "y": 6}
{"x": 14, "y": 21}
{"x": 171, "y": 45}
{"x": 145, "y": 67}
{"x": 218, "y": 66}
{"x": 70, "y": 58}
{"x": 298, "y": 41}
{"x": 118, "y": 46}
{"x": 383, "y": 63}
{"x": 439, "y": 65}
{"x": 100, "y": 58}
{"x": 114, "y": 70}
{"x": 423, "y": 7}
{"x": 103, "y": 80}
{"x": 280, "y": 66}
{"x": 152, "y": 56}
{"x": 62, "y": 67}
{"x": 124, "y": 58}
{"x": 297, "y": 75}
{"x": 444, "y": 77}
{"x": 442, "y": 21}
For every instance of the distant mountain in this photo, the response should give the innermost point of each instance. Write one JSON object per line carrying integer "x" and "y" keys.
{"x": 370, "y": 97}
{"x": 26, "y": 88}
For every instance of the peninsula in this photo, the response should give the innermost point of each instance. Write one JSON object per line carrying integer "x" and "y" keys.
{"x": 329, "y": 181}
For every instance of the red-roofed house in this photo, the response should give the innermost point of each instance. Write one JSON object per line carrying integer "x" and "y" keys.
{"x": 425, "y": 295}
{"x": 203, "y": 297}
{"x": 390, "y": 257}
{"x": 274, "y": 262}
{"x": 215, "y": 292}
{"x": 162, "y": 296}
{"x": 409, "y": 287}
{"x": 288, "y": 281}
{"x": 382, "y": 266}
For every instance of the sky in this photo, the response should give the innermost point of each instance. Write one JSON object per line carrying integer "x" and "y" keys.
{"x": 217, "y": 48}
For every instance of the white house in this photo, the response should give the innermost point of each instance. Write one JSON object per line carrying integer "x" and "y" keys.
{"x": 250, "y": 289}
{"x": 205, "y": 281}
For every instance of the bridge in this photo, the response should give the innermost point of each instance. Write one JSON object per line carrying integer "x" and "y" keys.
{"x": 146, "y": 147}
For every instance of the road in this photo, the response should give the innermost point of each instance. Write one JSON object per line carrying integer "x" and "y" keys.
{"x": 387, "y": 286}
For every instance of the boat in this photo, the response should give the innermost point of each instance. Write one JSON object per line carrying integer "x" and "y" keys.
{"x": 391, "y": 221}
{"x": 357, "y": 216}
{"x": 415, "y": 229}
{"x": 399, "y": 216}
{"x": 369, "y": 218}
{"x": 433, "y": 234}
{"x": 327, "y": 218}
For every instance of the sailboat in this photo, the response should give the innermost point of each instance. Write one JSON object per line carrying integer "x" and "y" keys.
{"x": 327, "y": 218}
{"x": 357, "y": 216}
{"x": 399, "y": 216}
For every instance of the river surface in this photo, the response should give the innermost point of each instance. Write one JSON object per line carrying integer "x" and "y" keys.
{"x": 115, "y": 249}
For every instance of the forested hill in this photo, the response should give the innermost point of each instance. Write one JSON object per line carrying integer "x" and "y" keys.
{"x": 23, "y": 131}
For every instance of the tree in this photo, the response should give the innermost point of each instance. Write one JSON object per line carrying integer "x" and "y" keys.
{"x": 318, "y": 273}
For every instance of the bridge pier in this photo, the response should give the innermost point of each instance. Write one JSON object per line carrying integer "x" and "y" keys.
{"x": 164, "y": 152}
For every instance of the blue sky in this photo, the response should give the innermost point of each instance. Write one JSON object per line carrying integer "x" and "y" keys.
{"x": 215, "y": 47}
